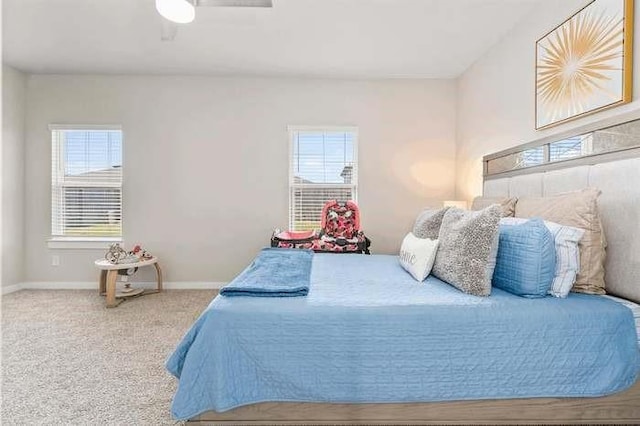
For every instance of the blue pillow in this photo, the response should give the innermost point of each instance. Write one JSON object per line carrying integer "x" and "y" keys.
{"x": 526, "y": 261}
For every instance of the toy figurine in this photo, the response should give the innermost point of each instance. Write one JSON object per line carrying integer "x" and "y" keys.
{"x": 140, "y": 253}
{"x": 115, "y": 254}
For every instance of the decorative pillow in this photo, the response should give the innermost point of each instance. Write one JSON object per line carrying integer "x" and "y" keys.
{"x": 428, "y": 223}
{"x": 417, "y": 255}
{"x": 526, "y": 260}
{"x": 567, "y": 254}
{"x": 508, "y": 204}
{"x": 468, "y": 242}
{"x": 580, "y": 210}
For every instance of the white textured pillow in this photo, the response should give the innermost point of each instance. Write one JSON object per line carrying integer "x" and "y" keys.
{"x": 417, "y": 255}
{"x": 566, "y": 239}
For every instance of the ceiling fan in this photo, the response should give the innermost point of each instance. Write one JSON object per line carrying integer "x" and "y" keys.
{"x": 177, "y": 12}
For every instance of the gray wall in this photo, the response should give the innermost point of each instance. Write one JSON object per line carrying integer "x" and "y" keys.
{"x": 13, "y": 156}
{"x": 496, "y": 95}
{"x": 206, "y": 161}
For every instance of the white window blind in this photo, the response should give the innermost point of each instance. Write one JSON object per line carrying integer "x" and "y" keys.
{"x": 86, "y": 181}
{"x": 323, "y": 167}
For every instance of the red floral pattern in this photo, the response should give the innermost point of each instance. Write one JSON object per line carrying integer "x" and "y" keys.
{"x": 340, "y": 232}
{"x": 340, "y": 220}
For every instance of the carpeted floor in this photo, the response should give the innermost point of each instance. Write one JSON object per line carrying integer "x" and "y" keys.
{"x": 66, "y": 359}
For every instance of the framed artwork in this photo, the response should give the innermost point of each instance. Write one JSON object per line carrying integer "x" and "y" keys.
{"x": 584, "y": 65}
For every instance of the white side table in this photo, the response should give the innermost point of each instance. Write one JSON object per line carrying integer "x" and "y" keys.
{"x": 109, "y": 274}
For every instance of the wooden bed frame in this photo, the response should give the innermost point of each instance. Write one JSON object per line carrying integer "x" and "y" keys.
{"x": 620, "y": 408}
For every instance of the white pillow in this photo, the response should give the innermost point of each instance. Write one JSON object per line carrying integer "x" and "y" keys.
{"x": 417, "y": 255}
{"x": 567, "y": 254}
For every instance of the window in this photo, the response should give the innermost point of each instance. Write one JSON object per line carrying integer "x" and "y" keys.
{"x": 323, "y": 167}
{"x": 86, "y": 182}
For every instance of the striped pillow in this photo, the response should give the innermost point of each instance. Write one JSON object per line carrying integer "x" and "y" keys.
{"x": 566, "y": 240}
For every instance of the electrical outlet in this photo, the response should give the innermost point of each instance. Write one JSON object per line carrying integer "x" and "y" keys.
{"x": 55, "y": 260}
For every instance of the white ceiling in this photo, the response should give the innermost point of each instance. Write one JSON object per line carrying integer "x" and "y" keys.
{"x": 327, "y": 38}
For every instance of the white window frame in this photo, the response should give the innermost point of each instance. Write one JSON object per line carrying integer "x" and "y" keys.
{"x": 321, "y": 129}
{"x": 82, "y": 242}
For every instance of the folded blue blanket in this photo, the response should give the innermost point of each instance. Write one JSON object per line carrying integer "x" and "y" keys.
{"x": 275, "y": 272}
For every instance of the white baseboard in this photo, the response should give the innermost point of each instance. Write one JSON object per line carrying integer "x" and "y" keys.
{"x": 190, "y": 285}
{"x": 11, "y": 288}
{"x": 93, "y": 285}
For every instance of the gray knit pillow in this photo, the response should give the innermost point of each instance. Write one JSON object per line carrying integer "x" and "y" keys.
{"x": 428, "y": 223}
{"x": 468, "y": 247}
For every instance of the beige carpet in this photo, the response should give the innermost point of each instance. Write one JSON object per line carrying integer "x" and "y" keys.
{"x": 66, "y": 359}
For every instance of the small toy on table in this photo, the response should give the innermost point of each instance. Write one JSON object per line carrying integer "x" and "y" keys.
{"x": 117, "y": 255}
{"x": 140, "y": 253}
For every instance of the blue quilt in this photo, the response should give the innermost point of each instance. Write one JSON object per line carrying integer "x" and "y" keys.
{"x": 368, "y": 332}
{"x": 275, "y": 272}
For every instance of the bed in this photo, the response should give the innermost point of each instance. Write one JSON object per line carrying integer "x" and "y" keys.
{"x": 368, "y": 332}
{"x": 379, "y": 349}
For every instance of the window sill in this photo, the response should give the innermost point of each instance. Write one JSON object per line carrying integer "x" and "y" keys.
{"x": 92, "y": 243}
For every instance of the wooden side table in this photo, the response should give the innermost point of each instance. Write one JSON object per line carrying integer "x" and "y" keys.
{"x": 109, "y": 274}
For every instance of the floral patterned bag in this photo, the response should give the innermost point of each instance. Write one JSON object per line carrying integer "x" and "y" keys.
{"x": 340, "y": 232}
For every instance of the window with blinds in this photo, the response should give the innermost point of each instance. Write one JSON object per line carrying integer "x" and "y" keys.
{"x": 86, "y": 181}
{"x": 323, "y": 167}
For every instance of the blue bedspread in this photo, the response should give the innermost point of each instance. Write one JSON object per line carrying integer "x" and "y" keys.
{"x": 368, "y": 332}
{"x": 275, "y": 272}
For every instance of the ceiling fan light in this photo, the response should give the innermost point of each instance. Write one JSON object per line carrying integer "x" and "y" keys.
{"x": 179, "y": 11}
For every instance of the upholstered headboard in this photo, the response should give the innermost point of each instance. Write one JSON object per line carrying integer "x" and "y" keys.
{"x": 619, "y": 207}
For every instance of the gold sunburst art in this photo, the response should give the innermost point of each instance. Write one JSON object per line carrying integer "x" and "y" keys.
{"x": 584, "y": 65}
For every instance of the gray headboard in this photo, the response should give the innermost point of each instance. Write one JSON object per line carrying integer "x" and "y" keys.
{"x": 619, "y": 207}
